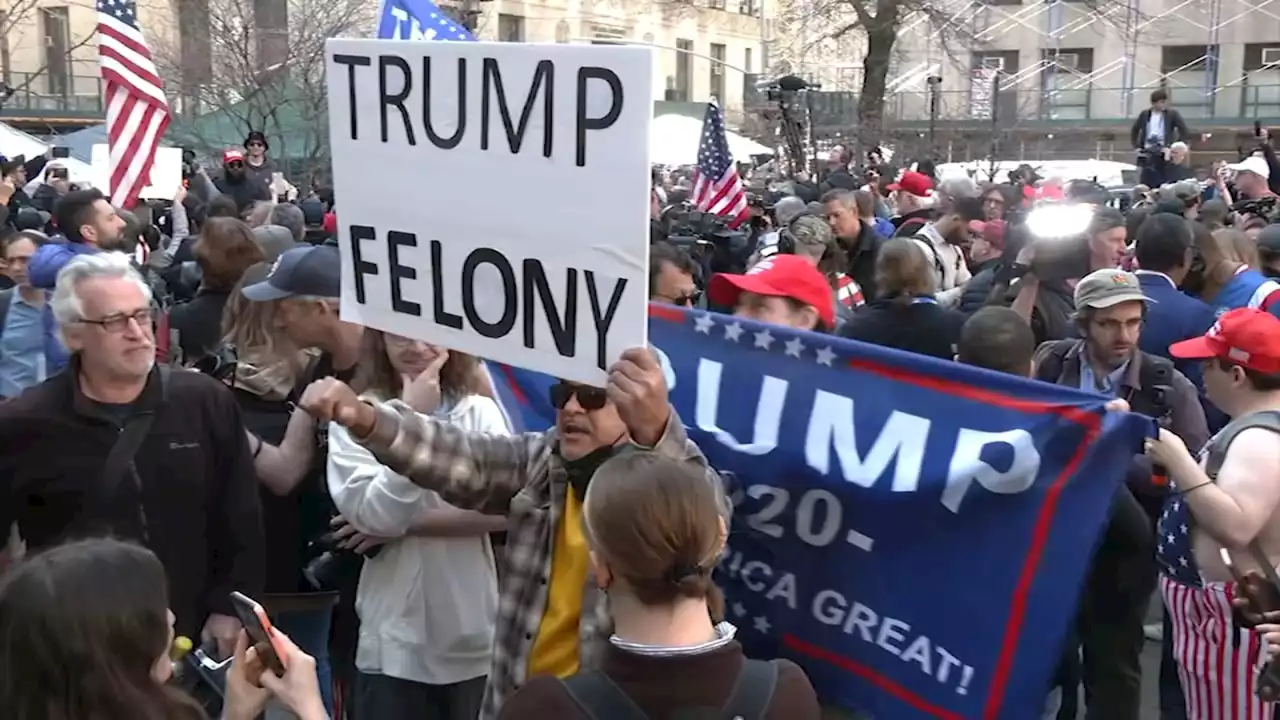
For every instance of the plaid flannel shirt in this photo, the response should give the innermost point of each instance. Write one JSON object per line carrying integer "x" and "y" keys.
{"x": 522, "y": 478}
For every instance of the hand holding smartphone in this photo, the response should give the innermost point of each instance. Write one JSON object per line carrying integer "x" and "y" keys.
{"x": 1262, "y": 598}
{"x": 258, "y": 626}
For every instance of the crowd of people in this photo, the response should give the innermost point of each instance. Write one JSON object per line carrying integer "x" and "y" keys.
{"x": 1169, "y": 307}
{"x": 186, "y": 416}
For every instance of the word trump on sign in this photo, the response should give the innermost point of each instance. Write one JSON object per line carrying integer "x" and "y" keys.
{"x": 495, "y": 197}
{"x": 913, "y": 531}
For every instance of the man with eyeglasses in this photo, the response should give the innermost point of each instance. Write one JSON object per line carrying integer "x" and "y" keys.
{"x": 238, "y": 184}
{"x": 552, "y": 618}
{"x": 118, "y": 446}
{"x": 673, "y": 276}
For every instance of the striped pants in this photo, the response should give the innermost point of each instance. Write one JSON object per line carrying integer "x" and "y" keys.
{"x": 1218, "y": 662}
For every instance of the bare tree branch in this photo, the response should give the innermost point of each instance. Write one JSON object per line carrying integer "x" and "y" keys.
{"x": 879, "y": 28}
{"x": 263, "y": 78}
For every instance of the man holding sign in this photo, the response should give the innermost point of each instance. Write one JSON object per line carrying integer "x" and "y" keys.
{"x": 552, "y": 620}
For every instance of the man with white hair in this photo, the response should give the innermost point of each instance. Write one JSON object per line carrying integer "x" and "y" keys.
{"x": 119, "y": 446}
{"x": 1179, "y": 166}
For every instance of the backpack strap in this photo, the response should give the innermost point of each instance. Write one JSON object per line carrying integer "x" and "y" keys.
{"x": 937, "y": 258}
{"x": 754, "y": 691}
{"x": 1049, "y": 367}
{"x": 600, "y": 698}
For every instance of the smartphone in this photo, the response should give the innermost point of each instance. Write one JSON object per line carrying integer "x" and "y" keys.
{"x": 59, "y": 173}
{"x": 1261, "y": 592}
{"x": 61, "y": 151}
{"x": 263, "y": 636}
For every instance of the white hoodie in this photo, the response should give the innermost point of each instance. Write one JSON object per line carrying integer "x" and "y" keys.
{"x": 427, "y": 605}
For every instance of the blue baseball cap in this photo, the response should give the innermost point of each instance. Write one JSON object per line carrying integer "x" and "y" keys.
{"x": 313, "y": 270}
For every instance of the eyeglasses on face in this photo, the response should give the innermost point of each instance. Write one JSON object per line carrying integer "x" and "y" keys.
{"x": 119, "y": 322}
{"x": 589, "y": 398}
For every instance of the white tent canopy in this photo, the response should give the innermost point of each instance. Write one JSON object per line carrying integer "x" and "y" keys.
{"x": 14, "y": 142}
{"x": 674, "y": 139}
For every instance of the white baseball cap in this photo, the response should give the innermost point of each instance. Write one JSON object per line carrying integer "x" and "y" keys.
{"x": 1253, "y": 164}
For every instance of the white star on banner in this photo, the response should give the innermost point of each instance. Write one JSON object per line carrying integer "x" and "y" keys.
{"x": 764, "y": 339}
{"x": 739, "y": 609}
{"x": 733, "y": 332}
{"x": 762, "y": 624}
{"x": 795, "y": 347}
{"x": 825, "y": 356}
{"x": 703, "y": 324}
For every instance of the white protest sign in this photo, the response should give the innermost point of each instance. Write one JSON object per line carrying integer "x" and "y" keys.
{"x": 495, "y": 196}
{"x": 166, "y": 172}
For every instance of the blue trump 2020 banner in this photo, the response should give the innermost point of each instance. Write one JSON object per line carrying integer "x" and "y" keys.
{"x": 418, "y": 20}
{"x": 913, "y": 532}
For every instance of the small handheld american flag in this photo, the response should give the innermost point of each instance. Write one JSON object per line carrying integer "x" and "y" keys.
{"x": 137, "y": 111}
{"x": 717, "y": 189}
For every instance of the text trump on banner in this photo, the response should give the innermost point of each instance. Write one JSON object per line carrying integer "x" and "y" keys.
{"x": 913, "y": 531}
{"x": 429, "y": 252}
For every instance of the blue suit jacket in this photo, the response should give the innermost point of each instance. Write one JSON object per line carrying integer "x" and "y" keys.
{"x": 1172, "y": 317}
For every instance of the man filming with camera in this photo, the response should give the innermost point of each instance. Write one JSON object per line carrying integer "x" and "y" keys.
{"x": 1156, "y": 129}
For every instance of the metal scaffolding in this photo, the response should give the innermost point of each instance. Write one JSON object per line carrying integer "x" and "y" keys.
{"x": 1127, "y": 21}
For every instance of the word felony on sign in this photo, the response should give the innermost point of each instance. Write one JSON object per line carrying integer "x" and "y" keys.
{"x": 527, "y": 293}
{"x": 397, "y": 82}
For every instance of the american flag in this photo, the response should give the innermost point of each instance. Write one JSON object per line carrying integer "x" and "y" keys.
{"x": 717, "y": 188}
{"x": 137, "y": 111}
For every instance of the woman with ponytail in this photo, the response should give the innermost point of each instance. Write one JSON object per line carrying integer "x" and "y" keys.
{"x": 656, "y": 530}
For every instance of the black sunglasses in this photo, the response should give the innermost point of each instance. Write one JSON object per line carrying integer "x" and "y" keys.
{"x": 590, "y": 398}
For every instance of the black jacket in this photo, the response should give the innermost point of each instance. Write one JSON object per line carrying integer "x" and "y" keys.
{"x": 244, "y": 191}
{"x": 924, "y": 328}
{"x": 199, "y": 323}
{"x": 976, "y": 292}
{"x": 862, "y": 260}
{"x": 192, "y": 497}
{"x": 1175, "y": 129}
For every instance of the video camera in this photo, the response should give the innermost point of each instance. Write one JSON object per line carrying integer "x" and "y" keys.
{"x": 1265, "y": 207}
{"x": 708, "y": 238}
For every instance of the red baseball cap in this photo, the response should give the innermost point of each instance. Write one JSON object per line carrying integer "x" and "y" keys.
{"x": 788, "y": 276}
{"x": 232, "y": 155}
{"x": 992, "y": 231}
{"x": 1247, "y": 337}
{"x": 913, "y": 183}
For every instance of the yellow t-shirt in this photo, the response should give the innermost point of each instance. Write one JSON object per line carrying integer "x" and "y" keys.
{"x": 555, "y": 649}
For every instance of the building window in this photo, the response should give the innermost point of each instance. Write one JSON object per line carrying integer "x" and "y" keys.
{"x": 1261, "y": 90}
{"x": 56, "y": 29}
{"x": 1188, "y": 74}
{"x": 562, "y": 32}
{"x": 716, "y": 4}
{"x": 684, "y": 70}
{"x": 510, "y": 28}
{"x": 717, "y": 72}
{"x": 746, "y": 61}
{"x": 749, "y": 7}
{"x": 1065, "y": 83}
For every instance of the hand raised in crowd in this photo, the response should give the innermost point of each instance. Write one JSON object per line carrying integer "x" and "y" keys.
{"x": 245, "y": 696}
{"x": 638, "y": 389}
{"x": 221, "y": 629}
{"x": 298, "y": 690}
{"x": 422, "y": 393}
{"x": 330, "y": 399}
{"x": 349, "y": 538}
{"x": 181, "y": 194}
